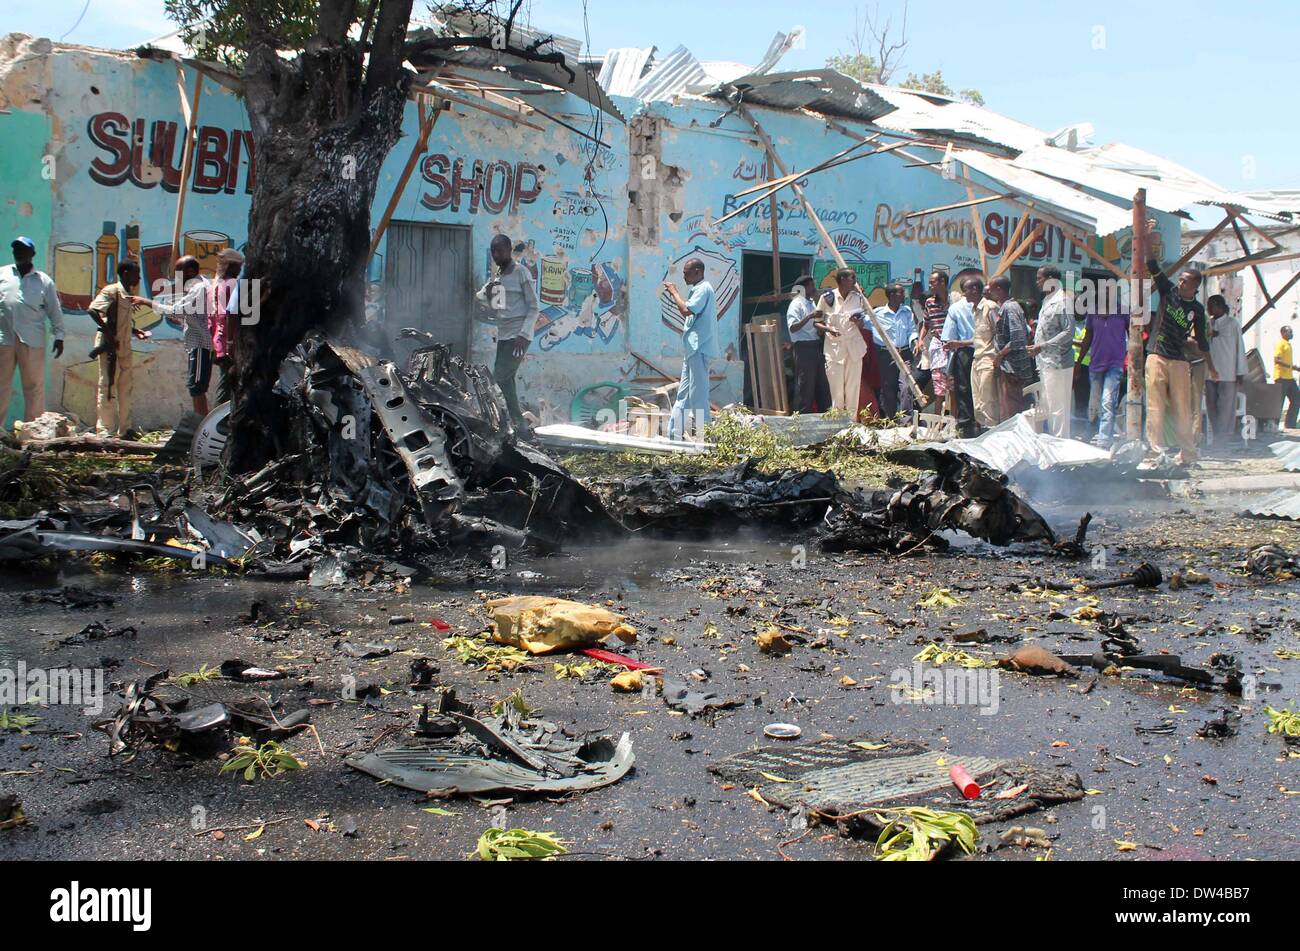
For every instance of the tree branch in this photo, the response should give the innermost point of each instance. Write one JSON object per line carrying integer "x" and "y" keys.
{"x": 387, "y": 50}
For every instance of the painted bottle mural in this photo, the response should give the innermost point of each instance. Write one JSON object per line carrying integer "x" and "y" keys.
{"x": 107, "y": 250}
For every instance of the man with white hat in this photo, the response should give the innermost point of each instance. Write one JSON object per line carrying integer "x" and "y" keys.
{"x": 28, "y": 298}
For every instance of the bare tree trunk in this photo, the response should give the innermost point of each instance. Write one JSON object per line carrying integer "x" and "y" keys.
{"x": 322, "y": 129}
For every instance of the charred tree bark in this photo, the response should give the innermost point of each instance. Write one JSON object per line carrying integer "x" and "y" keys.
{"x": 322, "y": 125}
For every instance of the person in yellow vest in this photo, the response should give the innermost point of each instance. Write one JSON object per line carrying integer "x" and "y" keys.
{"x": 111, "y": 312}
{"x": 1284, "y": 373}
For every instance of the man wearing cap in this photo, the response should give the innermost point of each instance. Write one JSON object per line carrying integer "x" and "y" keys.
{"x": 812, "y": 391}
{"x": 189, "y": 309}
{"x": 28, "y": 299}
{"x": 111, "y": 312}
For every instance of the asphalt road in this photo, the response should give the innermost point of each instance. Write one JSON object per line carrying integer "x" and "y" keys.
{"x": 1187, "y": 798}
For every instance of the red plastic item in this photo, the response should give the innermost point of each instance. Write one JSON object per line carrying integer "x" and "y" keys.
{"x": 440, "y": 625}
{"x": 961, "y": 779}
{"x": 609, "y": 657}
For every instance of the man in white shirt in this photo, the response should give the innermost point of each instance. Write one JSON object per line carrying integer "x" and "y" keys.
{"x": 1053, "y": 346}
{"x": 844, "y": 307}
{"x": 28, "y": 299}
{"x": 1228, "y": 354}
{"x": 812, "y": 392}
{"x": 189, "y": 309}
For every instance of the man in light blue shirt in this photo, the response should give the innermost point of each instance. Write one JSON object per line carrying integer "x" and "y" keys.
{"x": 700, "y": 340}
{"x": 812, "y": 391}
{"x": 899, "y": 323}
{"x": 28, "y": 298}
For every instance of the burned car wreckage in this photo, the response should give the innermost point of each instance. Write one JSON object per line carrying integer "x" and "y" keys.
{"x": 381, "y": 467}
{"x": 394, "y": 460}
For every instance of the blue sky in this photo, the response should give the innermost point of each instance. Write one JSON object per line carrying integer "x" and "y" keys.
{"x": 1188, "y": 80}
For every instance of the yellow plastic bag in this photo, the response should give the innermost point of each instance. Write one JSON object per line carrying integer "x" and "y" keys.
{"x": 542, "y": 625}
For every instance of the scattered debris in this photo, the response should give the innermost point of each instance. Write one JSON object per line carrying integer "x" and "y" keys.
{"x": 11, "y": 812}
{"x": 506, "y": 845}
{"x": 1226, "y": 724}
{"x": 507, "y": 750}
{"x": 693, "y": 700}
{"x": 1272, "y": 561}
{"x": 1144, "y": 576}
{"x": 1032, "y": 659}
{"x": 851, "y": 782}
{"x": 542, "y": 625}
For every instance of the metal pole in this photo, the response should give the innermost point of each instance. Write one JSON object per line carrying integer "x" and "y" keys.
{"x": 1136, "y": 353}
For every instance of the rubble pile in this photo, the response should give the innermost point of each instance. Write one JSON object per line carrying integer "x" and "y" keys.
{"x": 380, "y": 463}
{"x": 961, "y": 494}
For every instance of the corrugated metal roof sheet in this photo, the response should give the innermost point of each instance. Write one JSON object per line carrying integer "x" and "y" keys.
{"x": 1288, "y": 453}
{"x": 570, "y": 76}
{"x": 1097, "y": 215}
{"x": 1284, "y": 503}
{"x": 1077, "y": 167}
{"x": 623, "y": 69}
{"x": 938, "y": 115}
{"x": 826, "y": 91}
{"x": 670, "y": 76}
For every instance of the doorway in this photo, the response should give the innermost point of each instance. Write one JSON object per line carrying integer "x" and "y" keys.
{"x": 756, "y": 283}
{"x": 428, "y": 284}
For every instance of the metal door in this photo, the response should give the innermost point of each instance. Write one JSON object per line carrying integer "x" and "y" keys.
{"x": 428, "y": 283}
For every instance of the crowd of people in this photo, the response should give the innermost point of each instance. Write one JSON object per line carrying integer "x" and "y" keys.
{"x": 206, "y": 309}
{"x": 974, "y": 354}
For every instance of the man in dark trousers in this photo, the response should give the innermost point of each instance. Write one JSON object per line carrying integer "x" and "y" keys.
{"x": 511, "y": 299}
{"x": 812, "y": 392}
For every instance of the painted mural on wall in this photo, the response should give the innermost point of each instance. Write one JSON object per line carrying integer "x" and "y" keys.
{"x": 562, "y": 214}
{"x": 120, "y": 171}
{"x": 719, "y": 271}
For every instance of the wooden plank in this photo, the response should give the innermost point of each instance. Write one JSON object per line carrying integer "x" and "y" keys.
{"x": 191, "y": 112}
{"x": 1014, "y": 255}
{"x": 976, "y": 221}
{"x": 1272, "y": 301}
{"x": 1230, "y": 267}
{"x": 1245, "y": 247}
{"x": 789, "y": 180}
{"x": 1248, "y": 261}
{"x": 1081, "y": 243}
{"x": 1241, "y": 216}
{"x": 808, "y": 171}
{"x": 903, "y": 368}
{"x": 427, "y": 122}
{"x": 445, "y": 92}
{"x": 956, "y": 205}
{"x": 1196, "y": 248}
